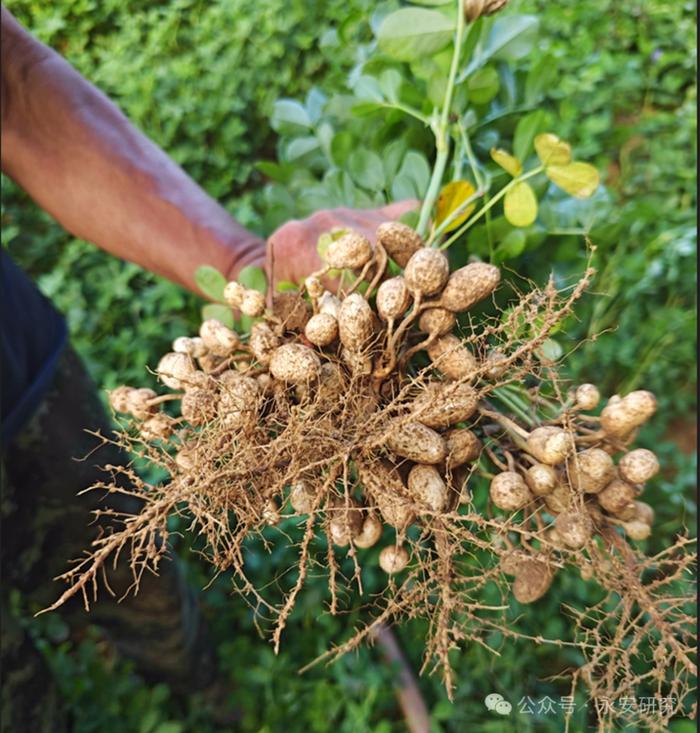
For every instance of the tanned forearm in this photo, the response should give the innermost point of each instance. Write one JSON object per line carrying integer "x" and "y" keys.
{"x": 81, "y": 160}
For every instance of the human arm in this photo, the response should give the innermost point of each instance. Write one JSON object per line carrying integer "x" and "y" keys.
{"x": 80, "y": 159}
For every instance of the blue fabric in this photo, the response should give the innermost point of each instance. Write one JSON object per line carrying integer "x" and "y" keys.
{"x": 32, "y": 336}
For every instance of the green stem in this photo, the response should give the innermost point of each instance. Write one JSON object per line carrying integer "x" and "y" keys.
{"x": 491, "y": 203}
{"x": 406, "y": 109}
{"x": 517, "y": 409}
{"x": 517, "y": 397}
{"x": 474, "y": 165}
{"x": 458, "y": 163}
{"x": 478, "y": 178}
{"x": 442, "y": 144}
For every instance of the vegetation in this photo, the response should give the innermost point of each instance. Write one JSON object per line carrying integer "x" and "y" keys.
{"x": 617, "y": 82}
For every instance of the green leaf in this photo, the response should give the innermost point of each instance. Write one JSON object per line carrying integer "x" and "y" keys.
{"x": 315, "y": 101}
{"x": 211, "y": 282}
{"x": 520, "y": 205}
{"x": 512, "y": 37}
{"x": 149, "y": 721}
{"x": 324, "y": 135}
{"x": 540, "y": 78}
{"x": 341, "y": 187}
{"x": 404, "y": 187}
{"x": 483, "y": 86}
{"x": 410, "y": 218}
{"x": 274, "y": 171}
{"x": 451, "y": 197}
{"x": 410, "y": 33}
{"x": 368, "y": 88}
{"x": 525, "y": 131}
{"x": 390, "y": 84}
{"x": 298, "y": 147}
{"x": 682, "y": 726}
{"x": 392, "y": 156}
{"x": 513, "y": 245}
{"x": 253, "y": 277}
{"x": 341, "y": 147}
{"x": 289, "y": 116}
{"x": 416, "y": 167}
{"x": 507, "y": 161}
{"x": 285, "y": 285}
{"x": 366, "y": 169}
{"x": 363, "y": 109}
{"x": 169, "y": 727}
{"x": 471, "y": 39}
{"x": 551, "y": 150}
{"x": 412, "y": 179}
{"x": 221, "y": 313}
{"x": 577, "y": 179}
{"x": 433, "y": 3}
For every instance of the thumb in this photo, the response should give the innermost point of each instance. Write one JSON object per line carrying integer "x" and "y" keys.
{"x": 395, "y": 210}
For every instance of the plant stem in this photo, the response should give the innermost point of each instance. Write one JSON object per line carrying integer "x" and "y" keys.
{"x": 500, "y": 394}
{"x": 406, "y": 109}
{"x": 491, "y": 203}
{"x": 473, "y": 163}
{"x": 411, "y": 701}
{"x": 442, "y": 144}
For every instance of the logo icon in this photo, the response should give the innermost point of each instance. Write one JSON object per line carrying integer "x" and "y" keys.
{"x": 496, "y": 704}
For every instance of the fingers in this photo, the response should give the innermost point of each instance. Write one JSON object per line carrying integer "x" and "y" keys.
{"x": 394, "y": 211}
{"x": 293, "y": 245}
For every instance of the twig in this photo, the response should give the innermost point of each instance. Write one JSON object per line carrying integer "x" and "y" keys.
{"x": 411, "y": 701}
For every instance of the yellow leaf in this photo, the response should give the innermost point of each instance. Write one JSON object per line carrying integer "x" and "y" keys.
{"x": 507, "y": 161}
{"x": 551, "y": 150}
{"x": 577, "y": 179}
{"x": 451, "y": 197}
{"x": 520, "y": 205}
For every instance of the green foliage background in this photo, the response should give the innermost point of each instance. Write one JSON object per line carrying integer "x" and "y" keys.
{"x": 201, "y": 78}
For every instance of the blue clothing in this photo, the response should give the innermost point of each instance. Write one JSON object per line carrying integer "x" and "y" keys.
{"x": 32, "y": 336}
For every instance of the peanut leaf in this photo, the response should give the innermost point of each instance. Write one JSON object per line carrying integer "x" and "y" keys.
{"x": 285, "y": 286}
{"x": 366, "y": 169}
{"x": 577, "y": 179}
{"x": 289, "y": 116}
{"x": 410, "y": 218}
{"x": 451, "y": 197}
{"x": 513, "y": 245}
{"x": 520, "y": 205}
{"x": 509, "y": 163}
{"x": 483, "y": 85}
{"x": 211, "y": 282}
{"x": 525, "y": 131}
{"x": 410, "y": 33}
{"x": 220, "y": 312}
{"x": 551, "y": 150}
{"x": 511, "y": 37}
{"x": 253, "y": 277}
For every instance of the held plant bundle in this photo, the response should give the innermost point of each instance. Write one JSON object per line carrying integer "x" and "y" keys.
{"x": 388, "y": 412}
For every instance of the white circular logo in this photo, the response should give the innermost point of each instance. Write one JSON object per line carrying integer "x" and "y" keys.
{"x": 497, "y": 704}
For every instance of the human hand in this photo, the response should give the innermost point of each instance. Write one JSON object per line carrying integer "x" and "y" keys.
{"x": 292, "y": 254}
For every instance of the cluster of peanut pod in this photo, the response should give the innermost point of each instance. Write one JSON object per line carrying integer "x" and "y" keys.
{"x": 393, "y": 444}
{"x": 568, "y": 472}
